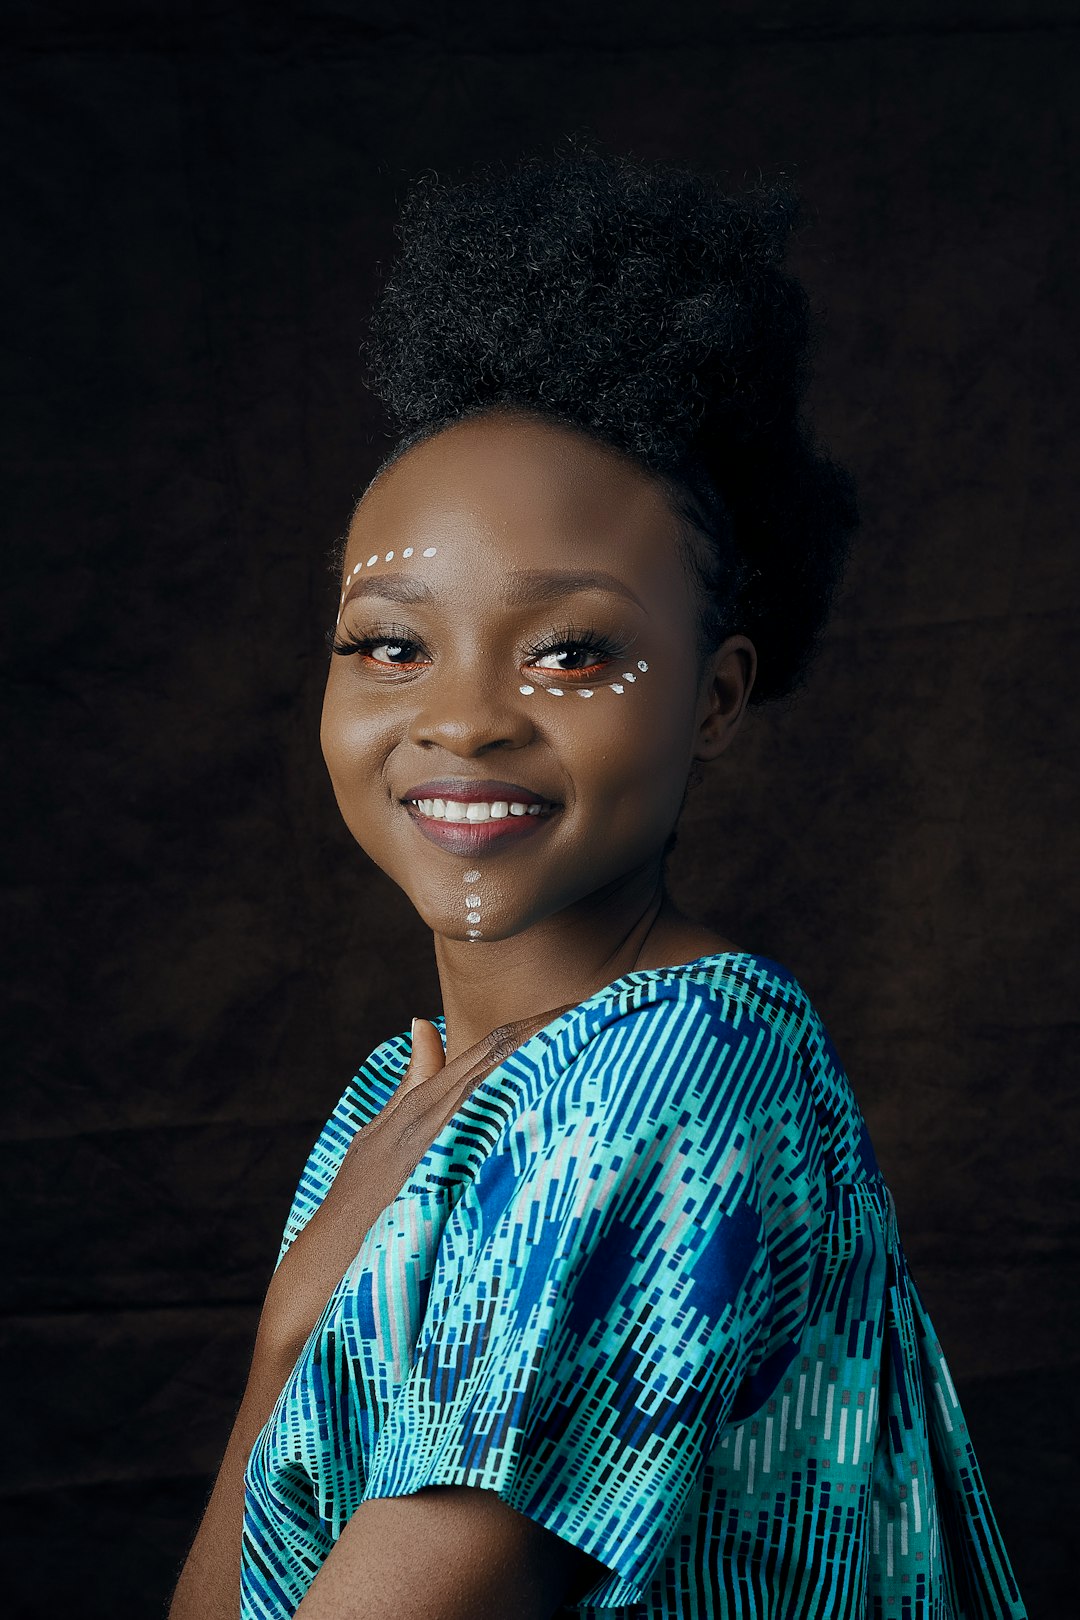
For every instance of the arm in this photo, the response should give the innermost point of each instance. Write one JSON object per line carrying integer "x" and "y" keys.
{"x": 375, "y": 1166}
{"x": 209, "y": 1584}
{"x": 447, "y": 1552}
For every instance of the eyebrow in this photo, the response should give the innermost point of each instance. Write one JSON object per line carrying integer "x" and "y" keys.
{"x": 525, "y": 586}
{"x": 528, "y": 585}
{"x": 393, "y": 587}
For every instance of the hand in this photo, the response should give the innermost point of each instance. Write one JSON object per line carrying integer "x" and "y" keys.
{"x": 379, "y": 1160}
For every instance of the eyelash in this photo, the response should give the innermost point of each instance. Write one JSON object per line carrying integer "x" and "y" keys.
{"x": 391, "y": 635}
{"x": 564, "y": 640}
{"x": 574, "y": 640}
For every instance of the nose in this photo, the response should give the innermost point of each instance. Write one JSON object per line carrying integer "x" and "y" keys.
{"x": 467, "y": 711}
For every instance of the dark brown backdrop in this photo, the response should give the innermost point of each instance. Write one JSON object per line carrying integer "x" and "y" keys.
{"x": 201, "y": 957}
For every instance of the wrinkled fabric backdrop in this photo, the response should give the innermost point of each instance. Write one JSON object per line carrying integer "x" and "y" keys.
{"x": 199, "y": 199}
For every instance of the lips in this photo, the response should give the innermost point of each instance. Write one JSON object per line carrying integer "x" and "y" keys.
{"x": 475, "y": 837}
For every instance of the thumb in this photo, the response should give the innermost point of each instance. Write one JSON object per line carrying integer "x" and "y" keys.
{"x": 427, "y": 1057}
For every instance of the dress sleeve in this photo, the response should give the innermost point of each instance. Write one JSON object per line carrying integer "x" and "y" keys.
{"x": 630, "y": 1265}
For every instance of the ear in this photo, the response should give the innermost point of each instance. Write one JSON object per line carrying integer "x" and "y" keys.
{"x": 726, "y": 684}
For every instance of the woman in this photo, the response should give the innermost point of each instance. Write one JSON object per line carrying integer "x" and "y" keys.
{"x": 591, "y": 1298}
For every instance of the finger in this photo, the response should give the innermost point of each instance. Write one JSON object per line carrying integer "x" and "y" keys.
{"x": 427, "y": 1057}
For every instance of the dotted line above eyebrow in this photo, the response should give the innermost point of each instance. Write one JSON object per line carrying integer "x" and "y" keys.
{"x": 390, "y": 555}
{"x": 430, "y": 551}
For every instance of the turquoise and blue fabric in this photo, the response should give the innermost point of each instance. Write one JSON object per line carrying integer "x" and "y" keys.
{"x": 646, "y": 1285}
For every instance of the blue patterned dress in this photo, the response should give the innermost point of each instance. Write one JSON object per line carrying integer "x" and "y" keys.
{"x": 647, "y": 1286}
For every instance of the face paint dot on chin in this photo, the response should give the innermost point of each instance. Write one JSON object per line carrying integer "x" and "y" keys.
{"x": 642, "y": 665}
{"x": 372, "y": 560}
{"x": 615, "y": 687}
{"x": 472, "y": 899}
{"x": 527, "y": 691}
{"x": 585, "y": 694}
{"x": 472, "y": 877}
{"x": 556, "y": 691}
{"x": 431, "y": 550}
{"x": 473, "y": 933}
{"x": 407, "y": 552}
{"x": 472, "y": 916}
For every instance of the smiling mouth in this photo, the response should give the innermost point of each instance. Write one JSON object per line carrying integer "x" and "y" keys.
{"x": 467, "y": 817}
{"x": 476, "y": 810}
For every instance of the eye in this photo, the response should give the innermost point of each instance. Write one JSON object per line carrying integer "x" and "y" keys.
{"x": 392, "y": 647}
{"x": 392, "y": 652}
{"x": 569, "y": 660}
{"x": 575, "y": 653}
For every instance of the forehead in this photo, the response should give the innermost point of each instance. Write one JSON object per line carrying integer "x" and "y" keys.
{"x": 515, "y": 492}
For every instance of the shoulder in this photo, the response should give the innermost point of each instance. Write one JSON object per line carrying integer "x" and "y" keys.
{"x": 706, "y": 1053}
{"x": 678, "y": 1031}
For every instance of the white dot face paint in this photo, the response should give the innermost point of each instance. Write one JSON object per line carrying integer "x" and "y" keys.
{"x": 431, "y": 551}
{"x": 473, "y": 903}
{"x": 617, "y": 687}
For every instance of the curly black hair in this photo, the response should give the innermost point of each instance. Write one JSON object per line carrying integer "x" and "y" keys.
{"x": 639, "y": 302}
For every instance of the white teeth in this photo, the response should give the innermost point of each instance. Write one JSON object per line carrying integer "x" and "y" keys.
{"x": 477, "y": 810}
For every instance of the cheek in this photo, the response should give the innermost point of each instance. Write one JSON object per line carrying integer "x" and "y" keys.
{"x": 628, "y": 745}
{"x": 349, "y": 739}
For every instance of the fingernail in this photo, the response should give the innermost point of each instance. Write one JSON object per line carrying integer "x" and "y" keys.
{"x": 412, "y": 1030}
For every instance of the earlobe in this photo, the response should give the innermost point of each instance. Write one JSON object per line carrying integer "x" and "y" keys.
{"x": 714, "y": 735}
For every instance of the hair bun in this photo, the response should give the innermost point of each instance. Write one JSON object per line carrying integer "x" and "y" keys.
{"x": 642, "y": 303}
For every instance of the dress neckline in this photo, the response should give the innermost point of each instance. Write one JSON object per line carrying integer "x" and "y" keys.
{"x": 429, "y": 1171}
{"x": 637, "y": 975}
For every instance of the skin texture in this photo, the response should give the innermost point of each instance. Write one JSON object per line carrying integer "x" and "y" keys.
{"x": 563, "y": 912}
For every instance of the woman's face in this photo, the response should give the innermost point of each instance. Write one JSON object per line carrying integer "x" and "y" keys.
{"x": 523, "y": 633}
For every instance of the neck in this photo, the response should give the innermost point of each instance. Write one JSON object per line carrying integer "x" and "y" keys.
{"x": 561, "y": 960}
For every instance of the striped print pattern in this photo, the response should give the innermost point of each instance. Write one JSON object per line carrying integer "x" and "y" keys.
{"x": 647, "y": 1285}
